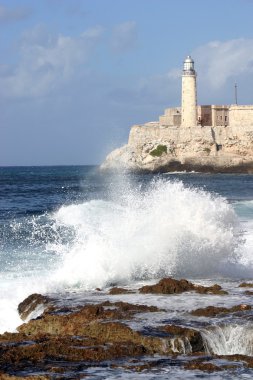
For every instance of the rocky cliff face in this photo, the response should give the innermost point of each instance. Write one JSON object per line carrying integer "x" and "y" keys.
{"x": 156, "y": 148}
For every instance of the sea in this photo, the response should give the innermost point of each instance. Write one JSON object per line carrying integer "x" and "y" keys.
{"x": 68, "y": 230}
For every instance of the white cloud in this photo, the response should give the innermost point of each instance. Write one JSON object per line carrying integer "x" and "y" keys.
{"x": 13, "y": 14}
{"x": 47, "y": 62}
{"x": 124, "y": 37}
{"x": 217, "y": 62}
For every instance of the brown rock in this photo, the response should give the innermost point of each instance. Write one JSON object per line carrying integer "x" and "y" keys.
{"x": 98, "y": 341}
{"x": 171, "y": 286}
{"x": 168, "y": 286}
{"x": 75, "y": 323}
{"x": 130, "y": 308}
{"x": 102, "y": 332}
{"x": 202, "y": 366}
{"x": 246, "y": 360}
{"x": 71, "y": 349}
{"x": 214, "y": 289}
{"x": 9, "y": 377}
{"x": 212, "y": 311}
{"x": 248, "y": 293}
{"x": 246, "y": 285}
{"x": 194, "y": 337}
{"x": 27, "y": 306}
{"x": 116, "y": 290}
{"x": 137, "y": 367}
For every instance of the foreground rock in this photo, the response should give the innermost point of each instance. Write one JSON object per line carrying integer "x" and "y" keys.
{"x": 93, "y": 333}
{"x": 212, "y": 311}
{"x": 77, "y": 322}
{"x": 191, "y": 337}
{"x": 35, "y": 302}
{"x": 172, "y": 286}
{"x": 64, "y": 342}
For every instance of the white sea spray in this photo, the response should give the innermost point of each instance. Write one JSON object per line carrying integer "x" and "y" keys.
{"x": 165, "y": 229}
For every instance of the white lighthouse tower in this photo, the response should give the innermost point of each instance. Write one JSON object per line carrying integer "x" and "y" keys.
{"x": 189, "y": 94}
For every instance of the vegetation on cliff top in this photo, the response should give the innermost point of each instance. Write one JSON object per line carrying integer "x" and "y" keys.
{"x": 158, "y": 151}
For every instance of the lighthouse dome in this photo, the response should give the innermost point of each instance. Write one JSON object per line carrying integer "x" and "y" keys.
{"x": 189, "y": 64}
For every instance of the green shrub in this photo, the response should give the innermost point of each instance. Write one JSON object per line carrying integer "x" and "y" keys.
{"x": 158, "y": 151}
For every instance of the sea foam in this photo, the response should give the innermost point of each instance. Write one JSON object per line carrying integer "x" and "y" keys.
{"x": 145, "y": 233}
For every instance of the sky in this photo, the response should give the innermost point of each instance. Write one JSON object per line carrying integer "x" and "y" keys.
{"x": 75, "y": 75}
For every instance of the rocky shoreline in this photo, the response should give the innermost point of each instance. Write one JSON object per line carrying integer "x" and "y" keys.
{"x": 64, "y": 342}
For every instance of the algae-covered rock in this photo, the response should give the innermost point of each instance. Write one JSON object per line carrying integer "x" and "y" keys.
{"x": 168, "y": 286}
{"x": 171, "y": 286}
{"x": 193, "y": 336}
{"x": 212, "y": 311}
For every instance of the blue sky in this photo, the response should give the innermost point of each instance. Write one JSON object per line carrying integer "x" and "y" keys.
{"x": 76, "y": 74}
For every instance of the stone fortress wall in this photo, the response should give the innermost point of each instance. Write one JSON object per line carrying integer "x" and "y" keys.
{"x": 212, "y": 116}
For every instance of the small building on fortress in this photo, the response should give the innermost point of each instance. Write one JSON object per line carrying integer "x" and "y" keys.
{"x": 191, "y": 114}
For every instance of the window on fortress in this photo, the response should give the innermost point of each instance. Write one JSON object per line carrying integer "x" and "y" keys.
{"x": 221, "y": 117}
{"x": 226, "y": 118}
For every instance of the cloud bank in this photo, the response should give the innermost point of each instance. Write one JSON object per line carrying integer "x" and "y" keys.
{"x": 46, "y": 62}
{"x": 221, "y": 61}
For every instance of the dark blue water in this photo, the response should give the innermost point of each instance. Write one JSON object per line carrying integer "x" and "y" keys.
{"x": 36, "y": 190}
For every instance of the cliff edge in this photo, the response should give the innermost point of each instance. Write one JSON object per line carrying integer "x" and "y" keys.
{"x": 153, "y": 147}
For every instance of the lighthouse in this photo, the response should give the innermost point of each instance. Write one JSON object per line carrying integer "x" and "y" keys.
{"x": 189, "y": 94}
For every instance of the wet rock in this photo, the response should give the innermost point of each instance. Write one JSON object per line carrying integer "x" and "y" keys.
{"x": 75, "y": 323}
{"x": 9, "y": 377}
{"x": 130, "y": 308}
{"x": 116, "y": 290}
{"x": 102, "y": 332}
{"x": 246, "y": 285}
{"x": 67, "y": 349}
{"x": 168, "y": 286}
{"x": 31, "y": 303}
{"x": 247, "y": 361}
{"x": 193, "y": 336}
{"x": 202, "y": 366}
{"x": 97, "y": 322}
{"x": 212, "y": 311}
{"x": 248, "y": 293}
{"x": 95, "y": 342}
{"x": 139, "y": 367}
{"x": 214, "y": 289}
{"x": 171, "y": 286}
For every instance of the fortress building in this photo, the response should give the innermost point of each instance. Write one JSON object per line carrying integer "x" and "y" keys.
{"x": 190, "y": 114}
{"x": 207, "y": 138}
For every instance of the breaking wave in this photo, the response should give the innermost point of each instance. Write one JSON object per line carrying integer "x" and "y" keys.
{"x": 144, "y": 233}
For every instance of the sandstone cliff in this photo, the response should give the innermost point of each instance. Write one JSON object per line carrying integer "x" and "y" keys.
{"x": 153, "y": 147}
